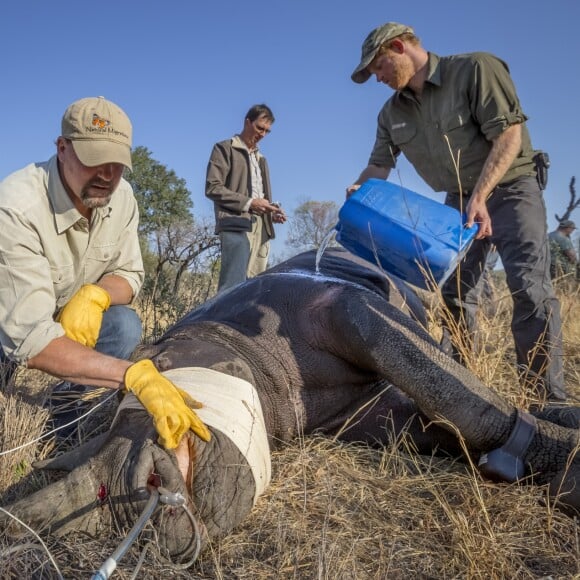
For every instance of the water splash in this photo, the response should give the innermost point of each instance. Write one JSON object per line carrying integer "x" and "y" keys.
{"x": 323, "y": 245}
{"x": 321, "y": 278}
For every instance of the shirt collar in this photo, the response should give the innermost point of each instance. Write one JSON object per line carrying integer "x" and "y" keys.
{"x": 239, "y": 143}
{"x": 433, "y": 74}
{"x": 434, "y": 70}
{"x": 65, "y": 213}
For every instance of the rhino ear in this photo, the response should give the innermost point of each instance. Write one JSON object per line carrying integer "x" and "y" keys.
{"x": 72, "y": 459}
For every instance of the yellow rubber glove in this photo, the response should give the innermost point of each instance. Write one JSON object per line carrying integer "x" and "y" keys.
{"x": 169, "y": 406}
{"x": 82, "y": 315}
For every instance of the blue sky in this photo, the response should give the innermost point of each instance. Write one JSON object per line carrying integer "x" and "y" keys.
{"x": 187, "y": 71}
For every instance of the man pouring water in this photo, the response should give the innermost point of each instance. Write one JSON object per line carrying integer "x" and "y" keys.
{"x": 459, "y": 122}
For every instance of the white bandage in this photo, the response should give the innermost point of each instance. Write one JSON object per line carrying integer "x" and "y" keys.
{"x": 230, "y": 405}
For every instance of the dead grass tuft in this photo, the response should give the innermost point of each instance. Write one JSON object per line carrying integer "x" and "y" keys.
{"x": 20, "y": 423}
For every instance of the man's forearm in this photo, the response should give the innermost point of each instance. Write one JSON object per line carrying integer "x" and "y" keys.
{"x": 504, "y": 150}
{"x": 66, "y": 359}
{"x": 118, "y": 288}
{"x": 373, "y": 171}
{"x": 370, "y": 171}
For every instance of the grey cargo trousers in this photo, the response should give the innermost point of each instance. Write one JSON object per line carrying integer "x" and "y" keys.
{"x": 518, "y": 219}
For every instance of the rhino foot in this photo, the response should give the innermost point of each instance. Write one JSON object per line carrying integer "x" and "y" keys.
{"x": 560, "y": 415}
{"x": 506, "y": 463}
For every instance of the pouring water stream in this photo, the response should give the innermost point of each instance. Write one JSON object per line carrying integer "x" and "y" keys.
{"x": 323, "y": 245}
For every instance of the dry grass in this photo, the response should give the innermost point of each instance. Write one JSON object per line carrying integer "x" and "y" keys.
{"x": 344, "y": 511}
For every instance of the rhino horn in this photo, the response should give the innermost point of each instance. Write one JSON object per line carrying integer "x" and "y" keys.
{"x": 67, "y": 504}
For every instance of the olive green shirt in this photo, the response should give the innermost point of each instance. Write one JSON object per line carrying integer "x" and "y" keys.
{"x": 467, "y": 101}
{"x": 48, "y": 251}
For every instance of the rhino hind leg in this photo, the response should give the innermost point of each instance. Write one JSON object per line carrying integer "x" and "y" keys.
{"x": 394, "y": 416}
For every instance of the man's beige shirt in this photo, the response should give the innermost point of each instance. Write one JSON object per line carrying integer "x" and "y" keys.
{"x": 48, "y": 251}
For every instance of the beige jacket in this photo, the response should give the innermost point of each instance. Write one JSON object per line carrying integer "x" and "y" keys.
{"x": 228, "y": 184}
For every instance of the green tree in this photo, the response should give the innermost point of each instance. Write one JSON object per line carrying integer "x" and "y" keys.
{"x": 174, "y": 245}
{"x": 311, "y": 223}
{"x": 163, "y": 197}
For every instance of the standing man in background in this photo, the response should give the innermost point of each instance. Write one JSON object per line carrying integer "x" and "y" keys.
{"x": 71, "y": 266}
{"x": 238, "y": 183}
{"x": 459, "y": 122}
{"x": 563, "y": 255}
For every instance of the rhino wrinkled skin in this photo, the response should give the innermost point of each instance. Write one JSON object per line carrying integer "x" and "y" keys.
{"x": 317, "y": 347}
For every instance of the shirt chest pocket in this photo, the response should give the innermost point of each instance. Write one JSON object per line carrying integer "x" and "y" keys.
{"x": 63, "y": 279}
{"x": 459, "y": 129}
{"x": 62, "y": 276}
{"x": 402, "y": 134}
{"x": 98, "y": 260}
{"x": 103, "y": 253}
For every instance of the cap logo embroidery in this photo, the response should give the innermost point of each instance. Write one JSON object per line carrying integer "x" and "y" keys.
{"x": 100, "y": 122}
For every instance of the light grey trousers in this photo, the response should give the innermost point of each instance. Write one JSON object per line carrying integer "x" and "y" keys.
{"x": 244, "y": 254}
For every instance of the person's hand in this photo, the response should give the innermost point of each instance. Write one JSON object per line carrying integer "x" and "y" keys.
{"x": 82, "y": 315}
{"x": 477, "y": 213}
{"x": 170, "y": 407}
{"x": 279, "y": 217}
{"x": 261, "y": 206}
{"x": 351, "y": 189}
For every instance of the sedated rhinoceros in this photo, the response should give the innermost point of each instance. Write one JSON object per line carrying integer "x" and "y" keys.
{"x": 291, "y": 352}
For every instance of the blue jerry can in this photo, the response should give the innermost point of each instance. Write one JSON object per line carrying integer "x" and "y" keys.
{"x": 404, "y": 233}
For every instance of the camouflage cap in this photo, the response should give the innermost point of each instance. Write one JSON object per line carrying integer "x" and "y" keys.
{"x": 371, "y": 45}
{"x": 567, "y": 224}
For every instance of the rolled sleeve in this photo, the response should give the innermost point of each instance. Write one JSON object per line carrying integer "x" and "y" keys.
{"x": 495, "y": 103}
{"x": 495, "y": 127}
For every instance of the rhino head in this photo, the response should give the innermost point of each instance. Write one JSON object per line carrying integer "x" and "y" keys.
{"x": 109, "y": 483}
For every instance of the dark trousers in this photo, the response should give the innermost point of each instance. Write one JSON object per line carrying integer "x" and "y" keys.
{"x": 119, "y": 336}
{"x": 518, "y": 219}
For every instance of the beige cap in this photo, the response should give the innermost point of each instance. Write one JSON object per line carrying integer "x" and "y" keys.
{"x": 100, "y": 132}
{"x": 371, "y": 45}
